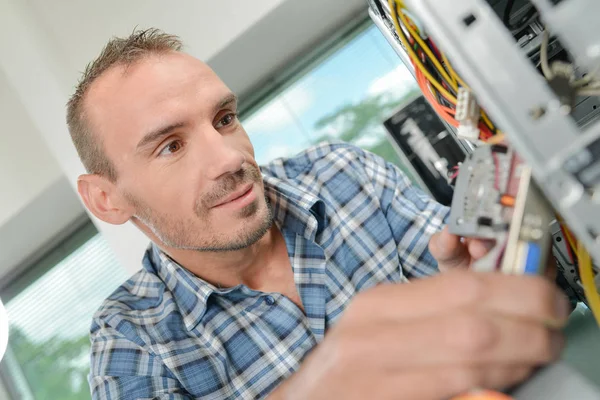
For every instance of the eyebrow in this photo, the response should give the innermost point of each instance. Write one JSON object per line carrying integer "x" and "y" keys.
{"x": 231, "y": 98}
{"x": 158, "y": 134}
{"x": 161, "y": 132}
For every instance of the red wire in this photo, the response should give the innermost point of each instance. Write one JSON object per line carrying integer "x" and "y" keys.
{"x": 486, "y": 133}
{"x": 442, "y": 111}
{"x": 435, "y": 49}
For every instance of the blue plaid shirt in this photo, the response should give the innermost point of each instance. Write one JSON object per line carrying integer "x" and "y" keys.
{"x": 350, "y": 221}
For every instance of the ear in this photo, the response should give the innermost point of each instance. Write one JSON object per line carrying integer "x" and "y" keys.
{"x": 102, "y": 199}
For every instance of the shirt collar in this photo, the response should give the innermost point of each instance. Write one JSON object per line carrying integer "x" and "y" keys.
{"x": 294, "y": 209}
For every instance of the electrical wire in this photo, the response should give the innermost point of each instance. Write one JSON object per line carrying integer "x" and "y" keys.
{"x": 546, "y": 70}
{"x": 435, "y": 75}
{"x": 437, "y": 51}
{"x": 586, "y": 86}
{"x": 417, "y": 62}
{"x": 442, "y": 111}
{"x": 496, "y": 139}
{"x": 588, "y": 80}
{"x": 415, "y": 21}
{"x": 487, "y": 120}
{"x": 568, "y": 235}
{"x": 440, "y": 70}
{"x": 586, "y": 273}
{"x": 453, "y": 73}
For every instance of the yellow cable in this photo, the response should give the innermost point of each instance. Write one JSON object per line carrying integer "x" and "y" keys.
{"x": 569, "y": 238}
{"x": 586, "y": 274}
{"x": 496, "y": 139}
{"x": 451, "y": 76}
{"x": 414, "y": 56}
{"x": 452, "y": 72}
{"x": 487, "y": 120}
{"x": 427, "y": 51}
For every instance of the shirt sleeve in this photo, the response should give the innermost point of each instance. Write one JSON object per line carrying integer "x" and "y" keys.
{"x": 413, "y": 216}
{"x": 122, "y": 369}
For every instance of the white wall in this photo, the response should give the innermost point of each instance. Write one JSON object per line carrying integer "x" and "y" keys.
{"x": 44, "y": 45}
{"x": 27, "y": 167}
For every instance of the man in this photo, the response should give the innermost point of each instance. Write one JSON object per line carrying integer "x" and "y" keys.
{"x": 290, "y": 283}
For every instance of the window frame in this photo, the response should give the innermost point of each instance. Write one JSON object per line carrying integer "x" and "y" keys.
{"x": 53, "y": 252}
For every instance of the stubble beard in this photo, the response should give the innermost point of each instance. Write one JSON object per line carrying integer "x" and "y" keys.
{"x": 181, "y": 234}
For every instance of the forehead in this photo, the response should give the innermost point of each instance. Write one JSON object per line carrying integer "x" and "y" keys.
{"x": 126, "y": 101}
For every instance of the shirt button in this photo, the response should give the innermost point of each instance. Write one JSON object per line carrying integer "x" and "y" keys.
{"x": 269, "y": 300}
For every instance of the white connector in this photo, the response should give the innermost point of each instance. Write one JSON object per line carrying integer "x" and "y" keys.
{"x": 467, "y": 115}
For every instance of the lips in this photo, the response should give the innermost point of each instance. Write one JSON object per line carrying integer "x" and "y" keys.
{"x": 235, "y": 195}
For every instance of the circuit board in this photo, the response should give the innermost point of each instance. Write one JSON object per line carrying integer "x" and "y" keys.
{"x": 496, "y": 199}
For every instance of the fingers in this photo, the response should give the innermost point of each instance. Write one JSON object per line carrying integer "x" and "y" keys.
{"x": 463, "y": 338}
{"x": 421, "y": 299}
{"x": 526, "y": 297}
{"x": 449, "y": 251}
{"x": 443, "y": 383}
{"x": 479, "y": 248}
{"x": 452, "y": 253}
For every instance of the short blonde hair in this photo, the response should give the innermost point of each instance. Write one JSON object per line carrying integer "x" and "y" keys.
{"x": 118, "y": 51}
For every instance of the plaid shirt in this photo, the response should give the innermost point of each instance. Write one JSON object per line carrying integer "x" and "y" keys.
{"x": 350, "y": 221}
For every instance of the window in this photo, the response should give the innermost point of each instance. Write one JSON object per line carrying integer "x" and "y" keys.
{"x": 50, "y": 311}
{"x": 345, "y": 95}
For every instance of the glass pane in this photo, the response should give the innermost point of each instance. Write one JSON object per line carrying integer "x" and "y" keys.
{"x": 346, "y": 97}
{"x": 274, "y": 129}
{"x": 50, "y": 320}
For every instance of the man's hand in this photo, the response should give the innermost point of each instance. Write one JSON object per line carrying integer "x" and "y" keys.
{"x": 435, "y": 338}
{"x": 452, "y": 252}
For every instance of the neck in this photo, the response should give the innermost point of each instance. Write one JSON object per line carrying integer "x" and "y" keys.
{"x": 252, "y": 266}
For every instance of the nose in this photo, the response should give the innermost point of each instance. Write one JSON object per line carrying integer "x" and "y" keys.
{"x": 224, "y": 158}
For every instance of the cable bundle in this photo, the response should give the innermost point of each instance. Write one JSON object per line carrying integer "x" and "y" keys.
{"x": 440, "y": 85}
{"x": 435, "y": 75}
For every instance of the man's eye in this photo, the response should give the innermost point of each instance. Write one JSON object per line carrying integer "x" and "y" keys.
{"x": 171, "y": 148}
{"x": 228, "y": 119}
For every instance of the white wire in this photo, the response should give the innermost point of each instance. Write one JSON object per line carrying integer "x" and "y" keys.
{"x": 544, "y": 56}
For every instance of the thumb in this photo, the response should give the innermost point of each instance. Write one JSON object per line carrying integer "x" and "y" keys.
{"x": 449, "y": 251}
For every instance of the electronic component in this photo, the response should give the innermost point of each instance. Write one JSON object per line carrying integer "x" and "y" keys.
{"x": 427, "y": 144}
{"x": 496, "y": 199}
{"x": 529, "y": 240}
{"x": 467, "y": 115}
{"x": 483, "y": 179}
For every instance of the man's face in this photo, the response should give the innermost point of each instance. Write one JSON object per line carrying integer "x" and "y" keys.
{"x": 185, "y": 165}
